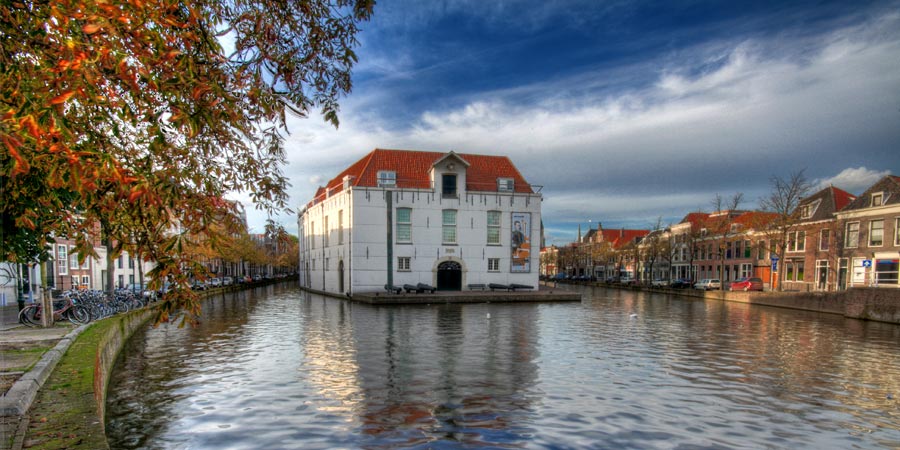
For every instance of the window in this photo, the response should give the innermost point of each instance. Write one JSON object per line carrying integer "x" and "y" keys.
{"x": 340, "y": 227}
{"x": 313, "y": 264}
{"x": 62, "y": 258}
{"x": 878, "y": 199}
{"x": 119, "y": 262}
{"x": 325, "y": 231}
{"x": 448, "y": 185}
{"x": 387, "y": 178}
{"x": 448, "y": 222}
{"x": 748, "y": 249}
{"x": 505, "y": 185}
{"x": 824, "y": 240}
{"x": 806, "y": 211}
{"x": 493, "y": 227}
{"x": 493, "y": 264}
{"x": 897, "y": 231}
{"x": 131, "y": 279}
{"x": 403, "y": 264}
{"x": 852, "y": 238}
{"x": 876, "y": 233}
{"x": 703, "y": 232}
{"x": 886, "y": 271}
{"x": 312, "y": 235}
{"x": 404, "y": 225}
{"x": 73, "y": 259}
{"x": 85, "y": 280}
{"x": 796, "y": 241}
{"x": 130, "y": 262}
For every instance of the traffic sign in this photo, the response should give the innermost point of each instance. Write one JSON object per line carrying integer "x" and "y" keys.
{"x": 774, "y": 265}
{"x": 867, "y": 263}
{"x": 773, "y": 258}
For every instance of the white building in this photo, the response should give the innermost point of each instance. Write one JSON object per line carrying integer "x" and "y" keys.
{"x": 407, "y": 217}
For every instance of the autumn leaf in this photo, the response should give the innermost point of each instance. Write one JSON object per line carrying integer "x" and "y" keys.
{"x": 62, "y": 98}
{"x": 90, "y": 28}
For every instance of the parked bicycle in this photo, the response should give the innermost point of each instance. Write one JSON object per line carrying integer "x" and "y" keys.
{"x": 63, "y": 308}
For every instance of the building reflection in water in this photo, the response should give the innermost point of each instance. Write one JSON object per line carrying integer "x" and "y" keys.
{"x": 413, "y": 375}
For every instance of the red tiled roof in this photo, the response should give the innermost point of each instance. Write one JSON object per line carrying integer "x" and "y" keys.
{"x": 842, "y": 198}
{"x": 412, "y": 169}
{"x": 621, "y": 237}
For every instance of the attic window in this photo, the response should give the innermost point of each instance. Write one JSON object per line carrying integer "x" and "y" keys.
{"x": 505, "y": 185}
{"x": 387, "y": 178}
{"x": 807, "y": 210}
{"x": 703, "y": 232}
{"x": 878, "y": 199}
{"x": 735, "y": 227}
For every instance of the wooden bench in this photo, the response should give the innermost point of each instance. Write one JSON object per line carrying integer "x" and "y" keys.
{"x": 477, "y": 287}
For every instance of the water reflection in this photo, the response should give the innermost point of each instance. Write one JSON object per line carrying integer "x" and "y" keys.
{"x": 280, "y": 369}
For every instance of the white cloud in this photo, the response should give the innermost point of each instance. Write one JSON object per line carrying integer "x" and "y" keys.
{"x": 665, "y": 147}
{"x": 853, "y": 180}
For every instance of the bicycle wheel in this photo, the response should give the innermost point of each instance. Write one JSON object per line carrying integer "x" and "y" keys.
{"x": 27, "y": 316}
{"x": 78, "y": 315}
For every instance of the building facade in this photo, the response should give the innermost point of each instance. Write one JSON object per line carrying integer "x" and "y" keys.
{"x": 870, "y": 244}
{"x": 399, "y": 217}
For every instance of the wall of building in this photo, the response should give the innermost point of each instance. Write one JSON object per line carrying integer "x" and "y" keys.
{"x": 365, "y": 253}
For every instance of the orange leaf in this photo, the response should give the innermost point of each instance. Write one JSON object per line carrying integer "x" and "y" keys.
{"x": 61, "y": 98}
{"x": 90, "y": 28}
{"x": 29, "y": 123}
{"x": 135, "y": 193}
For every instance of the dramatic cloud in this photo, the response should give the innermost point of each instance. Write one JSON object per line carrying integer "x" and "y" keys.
{"x": 646, "y": 138}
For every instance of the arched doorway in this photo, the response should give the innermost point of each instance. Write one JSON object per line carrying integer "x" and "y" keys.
{"x": 449, "y": 276}
{"x": 341, "y": 276}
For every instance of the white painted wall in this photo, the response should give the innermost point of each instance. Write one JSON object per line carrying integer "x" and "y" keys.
{"x": 365, "y": 252}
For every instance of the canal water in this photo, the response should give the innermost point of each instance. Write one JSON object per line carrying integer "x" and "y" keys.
{"x": 278, "y": 368}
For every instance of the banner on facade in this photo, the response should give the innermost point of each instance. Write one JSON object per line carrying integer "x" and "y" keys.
{"x": 520, "y": 238}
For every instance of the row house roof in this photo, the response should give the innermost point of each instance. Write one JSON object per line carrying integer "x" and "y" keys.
{"x": 412, "y": 168}
{"x": 618, "y": 238}
{"x": 823, "y": 204}
{"x": 889, "y": 190}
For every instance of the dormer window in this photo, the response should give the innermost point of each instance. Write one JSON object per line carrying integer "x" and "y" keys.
{"x": 448, "y": 185}
{"x": 387, "y": 178}
{"x": 735, "y": 227}
{"x": 703, "y": 232}
{"x": 877, "y": 199}
{"x": 505, "y": 185}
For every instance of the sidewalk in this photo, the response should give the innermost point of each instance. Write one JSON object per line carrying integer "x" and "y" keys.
{"x": 27, "y": 357}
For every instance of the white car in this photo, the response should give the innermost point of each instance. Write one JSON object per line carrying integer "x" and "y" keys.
{"x": 659, "y": 283}
{"x": 215, "y": 282}
{"x": 708, "y": 284}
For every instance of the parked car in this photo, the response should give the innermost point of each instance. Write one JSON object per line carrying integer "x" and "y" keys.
{"x": 198, "y": 285}
{"x": 227, "y": 281}
{"x": 747, "y": 284}
{"x": 659, "y": 283}
{"x": 215, "y": 282}
{"x": 627, "y": 280}
{"x": 681, "y": 283}
{"x": 708, "y": 284}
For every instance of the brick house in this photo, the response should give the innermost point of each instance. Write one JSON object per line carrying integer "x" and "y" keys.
{"x": 870, "y": 228}
{"x": 814, "y": 250}
{"x": 732, "y": 245}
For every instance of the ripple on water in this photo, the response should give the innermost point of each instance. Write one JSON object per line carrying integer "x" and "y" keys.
{"x": 274, "y": 368}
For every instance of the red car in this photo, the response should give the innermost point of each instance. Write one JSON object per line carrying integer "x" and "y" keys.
{"x": 747, "y": 284}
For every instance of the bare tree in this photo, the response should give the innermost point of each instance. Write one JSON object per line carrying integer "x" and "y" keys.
{"x": 784, "y": 201}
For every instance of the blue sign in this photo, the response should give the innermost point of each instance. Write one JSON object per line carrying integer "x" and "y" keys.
{"x": 774, "y": 265}
{"x": 867, "y": 263}
{"x": 773, "y": 258}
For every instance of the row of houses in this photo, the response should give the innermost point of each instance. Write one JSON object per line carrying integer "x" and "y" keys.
{"x": 66, "y": 270}
{"x": 834, "y": 240}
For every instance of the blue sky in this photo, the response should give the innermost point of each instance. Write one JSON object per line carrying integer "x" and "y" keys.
{"x": 624, "y": 111}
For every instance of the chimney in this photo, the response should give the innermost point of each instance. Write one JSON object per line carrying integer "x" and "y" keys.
{"x": 621, "y": 232}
